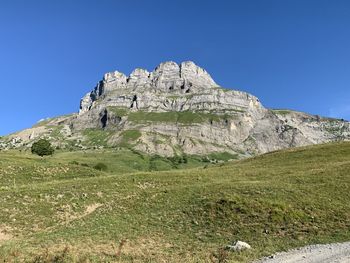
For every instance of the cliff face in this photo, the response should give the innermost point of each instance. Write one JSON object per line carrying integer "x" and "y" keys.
{"x": 179, "y": 109}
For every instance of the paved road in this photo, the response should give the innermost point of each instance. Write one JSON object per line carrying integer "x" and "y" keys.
{"x": 330, "y": 253}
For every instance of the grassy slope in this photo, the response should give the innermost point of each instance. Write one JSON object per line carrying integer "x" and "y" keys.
{"x": 182, "y": 117}
{"x": 22, "y": 168}
{"x": 275, "y": 201}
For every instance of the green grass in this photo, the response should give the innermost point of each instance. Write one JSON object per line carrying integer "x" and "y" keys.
{"x": 56, "y": 132}
{"x": 175, "y": 97}
{"x": 118, "y": 111}
{"x": 183, "y": 117}
{"x": 224, "y": 89}
{"x": 97, "y": 137}
{"x": 42, "y": 123}
{"x": 274, "y": 202}
{"x": 46, "y": 121}
{"x": 282, "y": 112}
{"x": 22, "y": 168}
{"x": 131, "y": 134}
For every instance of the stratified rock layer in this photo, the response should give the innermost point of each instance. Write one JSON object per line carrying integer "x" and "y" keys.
{"x": 177, "y": 109}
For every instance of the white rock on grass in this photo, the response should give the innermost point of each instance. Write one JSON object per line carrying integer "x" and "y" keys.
{"x": 238, "y": 246}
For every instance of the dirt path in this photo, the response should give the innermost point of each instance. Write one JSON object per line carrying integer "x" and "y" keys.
{"x": 330, "y": 253}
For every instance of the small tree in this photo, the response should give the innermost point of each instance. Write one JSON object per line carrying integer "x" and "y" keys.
{"x": 42, "y": 147}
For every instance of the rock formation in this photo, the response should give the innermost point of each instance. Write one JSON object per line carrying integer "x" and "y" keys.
{"x": 179, "y": 109}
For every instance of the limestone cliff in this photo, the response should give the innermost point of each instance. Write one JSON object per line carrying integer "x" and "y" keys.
{"x": 179, "y": 109}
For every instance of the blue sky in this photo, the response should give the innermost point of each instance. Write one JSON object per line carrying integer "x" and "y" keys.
{"x": 290, "y": 53}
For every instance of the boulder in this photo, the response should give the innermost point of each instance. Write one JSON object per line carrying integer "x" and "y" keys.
{"x": 238, "y": 246}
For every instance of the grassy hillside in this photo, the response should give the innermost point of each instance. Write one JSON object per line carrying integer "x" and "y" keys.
{"x": 21, "y": 168}
{"x": 60, "y": 210}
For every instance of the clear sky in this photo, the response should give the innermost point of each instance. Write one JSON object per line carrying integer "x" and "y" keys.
{"x": 290, "y": 53}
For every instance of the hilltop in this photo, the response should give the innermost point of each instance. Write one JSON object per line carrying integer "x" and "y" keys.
{"x": 176, "y": 110}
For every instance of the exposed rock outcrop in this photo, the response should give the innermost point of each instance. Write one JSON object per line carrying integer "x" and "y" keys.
{"x": 167, "y": 78}
{"x": 178, "y": 109}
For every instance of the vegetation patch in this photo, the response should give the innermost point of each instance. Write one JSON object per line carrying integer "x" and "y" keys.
{"x": 223, "y": 89}
{"x": 186, "y": 96}
{"x": 97, "y": 137}
{"x": 42, "y": 147}
{"x": 42, "y": 122}
{"x": 56, "y": 131}
{"x": 129, "y": 137}
{"x": 282, "y": 112}
{"x": 118, "y": 111}
{"x": 101, "y": 167}
{"x": 335, "y": 127}
{"x": 183, "y": 117}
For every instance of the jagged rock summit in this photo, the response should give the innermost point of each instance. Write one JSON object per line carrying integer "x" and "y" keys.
{"x": 168, "y": 77}
{"x": 176, "y": 110}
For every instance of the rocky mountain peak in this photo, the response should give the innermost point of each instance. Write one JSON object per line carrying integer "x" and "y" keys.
{"x": 139, "y": 73}
{"x": 179, "y": 109}
{"x": 114, "y": 76}
{"x": 169, "y": 66}
{"x": 196, "y": 75}
{"x": 171, "y": 76}
{"x": 167, "y": 77}
{"x": 139, "y": 78}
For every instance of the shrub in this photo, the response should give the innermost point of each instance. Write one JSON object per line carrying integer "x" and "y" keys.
{"x": 42, "y": 147}
{"x": 101, "y": 167}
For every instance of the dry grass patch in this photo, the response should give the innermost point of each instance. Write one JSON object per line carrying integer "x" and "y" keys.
{"x": 5, "y": 233}
{"x": 67, "y": 214}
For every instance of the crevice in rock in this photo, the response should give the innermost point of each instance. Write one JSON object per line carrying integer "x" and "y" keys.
{"x": 104, "y": 119}
{"x": 134, "y": 102}
{"x": 100, "y": 88}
